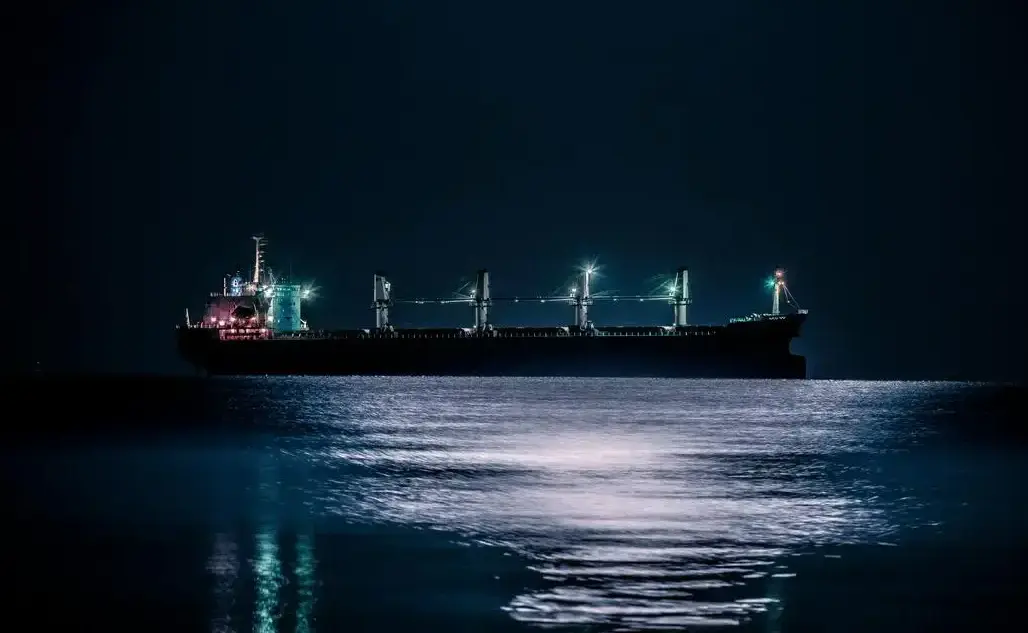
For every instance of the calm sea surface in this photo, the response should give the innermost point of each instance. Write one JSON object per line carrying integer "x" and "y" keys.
{"x": 405, "y": 504}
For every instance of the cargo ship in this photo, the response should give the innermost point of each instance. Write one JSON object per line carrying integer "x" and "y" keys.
{"x": 254, "y": 326}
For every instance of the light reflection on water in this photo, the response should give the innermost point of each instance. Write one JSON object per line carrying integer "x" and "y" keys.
{"x": 268, "y": 576}
{"x": 458, "y": 504}
{"x": 305, "y": 570}
{"x": 272, "y": 600}
{"x": 447, "y": 504}
{"x": 643, "y": 504}
{"x": 280, "y": 592}
{"x": 223, "y": 566}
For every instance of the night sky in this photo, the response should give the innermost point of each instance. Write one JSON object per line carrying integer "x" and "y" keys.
{"x": 876, "y": 150}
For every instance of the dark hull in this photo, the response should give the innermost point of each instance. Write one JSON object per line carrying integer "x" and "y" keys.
{"x": 755, "y": 349}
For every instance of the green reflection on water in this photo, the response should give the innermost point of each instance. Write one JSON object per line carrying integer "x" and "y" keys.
{"x": 267, "y": 570}
{"x": 304, "y": 582}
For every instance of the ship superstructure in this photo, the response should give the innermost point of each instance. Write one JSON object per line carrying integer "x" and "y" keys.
{"x": 255, "y": 326}
{"x": 257, "y": 306}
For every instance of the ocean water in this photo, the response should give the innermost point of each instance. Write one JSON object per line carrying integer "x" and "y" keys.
{"x": 410, "y": 504}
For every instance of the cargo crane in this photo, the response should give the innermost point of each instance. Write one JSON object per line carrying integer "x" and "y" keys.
{"x": 579, "y": 296}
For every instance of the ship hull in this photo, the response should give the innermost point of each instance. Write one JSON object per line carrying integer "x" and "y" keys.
{"x": 752, "y": 349}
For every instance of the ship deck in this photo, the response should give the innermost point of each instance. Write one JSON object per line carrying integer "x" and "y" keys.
{"x": 506, "y": 332}
{"x": 250, "y": 333}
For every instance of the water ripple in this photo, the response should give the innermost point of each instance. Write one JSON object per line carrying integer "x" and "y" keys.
{"x": 603, "y": 505}
{"x": 646, "y": 504}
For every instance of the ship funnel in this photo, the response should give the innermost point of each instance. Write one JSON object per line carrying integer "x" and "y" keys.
{"x": 680, "y": 298}
{"x": 383, "y": 299}
{"x": 482, "y": 301}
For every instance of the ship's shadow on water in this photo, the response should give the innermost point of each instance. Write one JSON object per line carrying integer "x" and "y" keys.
{"x": 371, "y": 504}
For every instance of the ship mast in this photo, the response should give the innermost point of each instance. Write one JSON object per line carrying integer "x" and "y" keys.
{"x": 780, "y": 290}
{"x": 779, "y": 282}
{"x": 258, "y": 258}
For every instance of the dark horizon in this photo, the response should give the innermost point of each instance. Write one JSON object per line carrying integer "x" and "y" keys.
{"x": 875, "y": 151}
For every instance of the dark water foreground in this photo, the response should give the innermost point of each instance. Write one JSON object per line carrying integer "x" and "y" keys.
{"x": 337, "y": 504}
